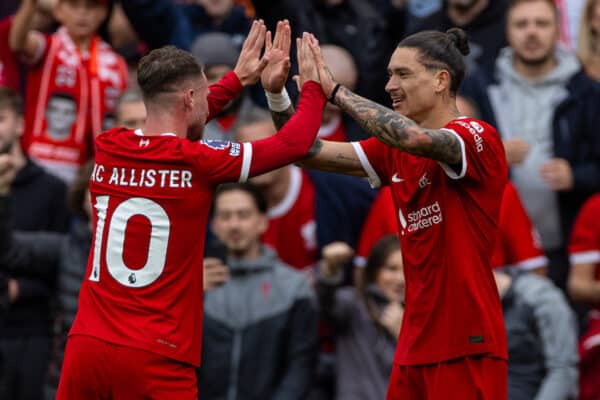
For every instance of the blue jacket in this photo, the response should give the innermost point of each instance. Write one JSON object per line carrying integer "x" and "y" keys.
{"x": 576, "y": 125}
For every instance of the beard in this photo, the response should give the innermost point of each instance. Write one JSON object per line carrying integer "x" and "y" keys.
{"x": 534, "y": 62}
{"x": 6, "y": 148}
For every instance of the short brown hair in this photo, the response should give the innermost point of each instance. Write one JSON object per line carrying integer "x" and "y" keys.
{"x": 11, "y": 100}
{"x": 162, "y": 70}
{"x": 552, "y": 3}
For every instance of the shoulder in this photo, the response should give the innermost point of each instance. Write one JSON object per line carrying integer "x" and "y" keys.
{"x": 295, "y": 283}
{"x": 591, "y": 207}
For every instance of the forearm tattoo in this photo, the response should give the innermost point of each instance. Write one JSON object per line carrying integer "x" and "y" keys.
{"x": 398, "y": 131}
{"x": 281, "y": 117}
{"x": 315, "y": 148}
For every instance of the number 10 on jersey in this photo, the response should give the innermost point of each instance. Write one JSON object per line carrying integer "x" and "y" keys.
{"x": 113, "y": 249}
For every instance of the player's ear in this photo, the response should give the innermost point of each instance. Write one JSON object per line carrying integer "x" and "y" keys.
{"x": 188, "y": 98}
{"x": 442, "y": 80}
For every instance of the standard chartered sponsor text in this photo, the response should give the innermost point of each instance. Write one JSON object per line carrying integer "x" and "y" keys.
{"x": 425, "y": 217}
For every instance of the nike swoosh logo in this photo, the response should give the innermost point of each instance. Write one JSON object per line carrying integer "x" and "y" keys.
{"x": 395, "y": 179}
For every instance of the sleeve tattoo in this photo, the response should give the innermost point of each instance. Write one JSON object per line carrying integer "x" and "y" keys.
{"x": 398, "y": 131}
{"x": 281, "y": 117}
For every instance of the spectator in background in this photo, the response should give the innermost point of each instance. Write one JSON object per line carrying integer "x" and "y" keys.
{"x": 542, "y": 101}
{"x": 162, "y": 22}
{"x": 36, "y": 202}
{"x": 584, "y": 287}
{"x": 307, "y": 209}
{"x": 355, "y": 25}
{"x": 131, "y": 111}
{"x": 260, "y": 325}
{"x": 343, "y": 68}
{"x": 218, "y": 54}
{"x": 588, "y": 40}
{"x": 53, "y": 257}
{"x": 484, "y": 22}
{"x": 367, "y": 318}
{"x": 10, "y": 74}
{"x": 76, "y": 63}
{"x": 10, "y": 68}
{"x": 542, "y": 337}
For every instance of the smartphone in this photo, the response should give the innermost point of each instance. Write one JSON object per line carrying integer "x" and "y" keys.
{"x": 216, "y": 249}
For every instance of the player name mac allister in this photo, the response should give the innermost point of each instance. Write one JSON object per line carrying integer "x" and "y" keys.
{"x": 142, "y": 177}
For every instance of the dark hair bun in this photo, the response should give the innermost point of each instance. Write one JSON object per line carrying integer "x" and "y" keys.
{"x": 460, "y": 40}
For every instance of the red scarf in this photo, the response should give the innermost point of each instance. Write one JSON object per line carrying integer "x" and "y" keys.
{"x": 93, "y": 80}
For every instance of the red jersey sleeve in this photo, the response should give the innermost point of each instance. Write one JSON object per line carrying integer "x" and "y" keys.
{"x": 482, "y": 153}
{"x": 584, "y": 247}
{"x": 222, "y": 161}
{"x": 222, "y": 92}
{"x": 375, "y": 157}
{"x": 481, "y": 147}
{"x": 518, "y": 244}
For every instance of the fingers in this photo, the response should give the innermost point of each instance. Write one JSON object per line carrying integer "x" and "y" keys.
{"x": 278, "y": 34}
{"x": 268, "y": 43}
{"x": 256, "y": 38}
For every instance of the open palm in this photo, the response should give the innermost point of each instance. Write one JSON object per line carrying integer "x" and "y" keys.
{"x": 276, "y": 72}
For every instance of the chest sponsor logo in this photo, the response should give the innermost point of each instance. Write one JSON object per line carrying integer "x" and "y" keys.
{"x": 474, "y": 129}
{"x": 423, "y": 218}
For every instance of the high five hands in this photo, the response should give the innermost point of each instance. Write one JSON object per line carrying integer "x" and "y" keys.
{"x": 274, "y": 66}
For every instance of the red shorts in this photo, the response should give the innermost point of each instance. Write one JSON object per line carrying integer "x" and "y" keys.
{"x": 94, "y": 369}
{"x": 467, "y": 378}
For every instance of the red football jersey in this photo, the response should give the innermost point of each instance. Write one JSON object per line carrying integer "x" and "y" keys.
{"x": 151, "y": 197}
{"x": 292, "y": 230}
{"x": 9, "y": 67}
{"x": 584, "y": 247}
{"x": 334, "y": 131}
{"x": 380, "y": 221}
{"x": 448, "y": 226}
{"x": 518, "y": 243}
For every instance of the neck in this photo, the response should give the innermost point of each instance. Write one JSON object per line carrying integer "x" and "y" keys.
{"x": 463, "y": 18}
{"x": 251, "y": 253}
{"x": 276, "y": 192}
{"x": 163, "y": 121}
{"x": 535, "y": 71}
{"x": 81, "y": 42}
{"x": 439, "y": 116}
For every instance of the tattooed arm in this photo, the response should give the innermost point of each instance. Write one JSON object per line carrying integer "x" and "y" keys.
{"x": 281, "y": 117}
{"x": 400, "y": 132}
{"x": 324, "y": 155}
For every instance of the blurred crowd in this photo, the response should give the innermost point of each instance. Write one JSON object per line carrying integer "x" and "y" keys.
{"x": 312, "y": 304}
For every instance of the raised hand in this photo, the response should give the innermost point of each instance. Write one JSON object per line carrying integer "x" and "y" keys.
{"x": 215, "y": 273}
{"x": 250, "y": 65}
{"x": 307, "y": 67}
{"x": 325, "y": 76}
{"x": 276, "y": 72}
{"x": 335, "y": 255}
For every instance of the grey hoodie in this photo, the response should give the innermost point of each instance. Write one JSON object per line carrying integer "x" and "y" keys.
{"x": 524, "y": 109}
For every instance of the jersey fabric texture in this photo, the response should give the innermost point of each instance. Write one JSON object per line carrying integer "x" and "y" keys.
{"x": 518, "y": 242}
{"x": 448, "y": 227}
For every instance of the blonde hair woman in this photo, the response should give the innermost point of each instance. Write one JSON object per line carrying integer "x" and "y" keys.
{"x": 588, "y": 42}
